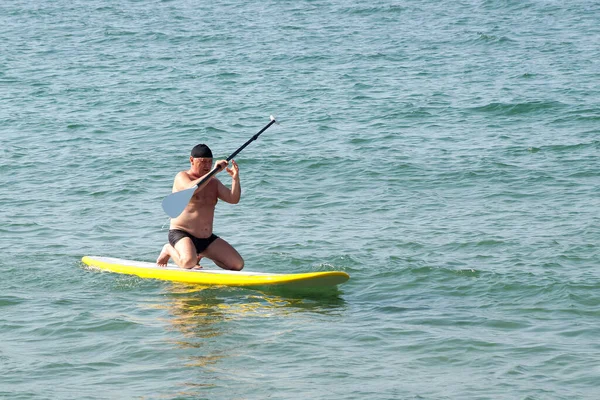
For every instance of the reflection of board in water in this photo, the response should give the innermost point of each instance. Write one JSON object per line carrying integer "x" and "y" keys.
{"x": 308, "y": 280}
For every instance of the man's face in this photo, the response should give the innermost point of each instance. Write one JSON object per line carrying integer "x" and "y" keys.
{"x": 202, "y": 165}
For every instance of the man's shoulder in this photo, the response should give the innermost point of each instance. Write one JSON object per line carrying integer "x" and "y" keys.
{"x": 183, "y": 174}
{"x": 182, "y": 180}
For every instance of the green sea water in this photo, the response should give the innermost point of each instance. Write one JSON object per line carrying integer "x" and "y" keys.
{"x": 444, "y": 154}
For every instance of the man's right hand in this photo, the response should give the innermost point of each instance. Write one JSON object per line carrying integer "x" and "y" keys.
{"x": 221, "y": 164}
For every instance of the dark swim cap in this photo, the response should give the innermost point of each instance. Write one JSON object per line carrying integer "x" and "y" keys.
{"x": 201, "y": 151}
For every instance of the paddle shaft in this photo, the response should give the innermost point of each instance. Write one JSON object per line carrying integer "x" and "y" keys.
{"x": 235, "y": 153}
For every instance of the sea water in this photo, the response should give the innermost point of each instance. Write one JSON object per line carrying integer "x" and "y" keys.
{"x": 444, "y": 154}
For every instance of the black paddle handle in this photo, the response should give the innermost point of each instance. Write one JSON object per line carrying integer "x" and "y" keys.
{"x": 253, "y": 138}
{"x": 235, "y": 153}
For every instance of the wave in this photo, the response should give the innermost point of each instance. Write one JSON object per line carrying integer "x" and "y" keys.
{"x": 571, "y": 147}
{"x": 518, "y": 108}
{"x": 493, "y": 38}
{"x": 585, "y": 115}
{"x": 373, "y": 10}
{"x": 561, "y": 148}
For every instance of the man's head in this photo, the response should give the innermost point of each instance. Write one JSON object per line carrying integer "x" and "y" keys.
{"x": 201, "y": 158}
{"x": 201, "y": 151}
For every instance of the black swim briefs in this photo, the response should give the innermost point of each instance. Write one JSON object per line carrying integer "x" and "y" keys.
{"x": 175, "y": 235}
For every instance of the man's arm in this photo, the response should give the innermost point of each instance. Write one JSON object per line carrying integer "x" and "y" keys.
{"x": 232, "y": 195}
{"x": 183, "y": 180}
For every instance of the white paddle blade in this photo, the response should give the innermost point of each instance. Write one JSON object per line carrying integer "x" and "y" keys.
{"x": 175, "y": 203}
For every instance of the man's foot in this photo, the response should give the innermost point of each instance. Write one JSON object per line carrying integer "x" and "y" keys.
{"x": 163, "y": 257}
{"x": 197, "y": 266}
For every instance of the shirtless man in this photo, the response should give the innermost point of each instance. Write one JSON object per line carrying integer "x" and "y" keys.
{"x": 191, "y": 234}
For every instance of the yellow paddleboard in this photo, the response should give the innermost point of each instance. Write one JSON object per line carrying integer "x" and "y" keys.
{"x": 217, "y": 277}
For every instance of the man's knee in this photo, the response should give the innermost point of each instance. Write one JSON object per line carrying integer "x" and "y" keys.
{"x": 236, "y": 265}
{"x": 239, "y": 265}
{"x": 189, "y": 261}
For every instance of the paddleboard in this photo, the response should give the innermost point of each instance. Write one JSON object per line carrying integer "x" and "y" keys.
{"x": 217, "y": 277}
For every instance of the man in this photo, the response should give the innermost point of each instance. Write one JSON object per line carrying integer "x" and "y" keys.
{"x": 191, "y": 234}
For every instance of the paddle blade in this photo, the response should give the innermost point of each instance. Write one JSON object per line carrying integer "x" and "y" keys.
{"x": 175, "y": 203}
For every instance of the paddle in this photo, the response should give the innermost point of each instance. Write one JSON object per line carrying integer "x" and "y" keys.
{"x": 175, "y": 203}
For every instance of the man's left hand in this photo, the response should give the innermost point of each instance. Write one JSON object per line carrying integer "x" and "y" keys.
{"x": 234, "y": 172}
